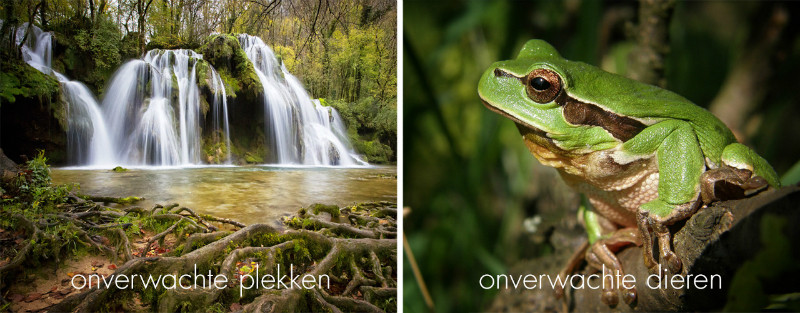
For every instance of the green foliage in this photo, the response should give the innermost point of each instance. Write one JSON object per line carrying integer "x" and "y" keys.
{"x": 93, "y": 53}
{"x": 119, "y": 169}
{"x": 371, "y": 126}
{"x": 31, "y": 195}
{"x": 167, "y": 42}
{"x": 792, "y": 176}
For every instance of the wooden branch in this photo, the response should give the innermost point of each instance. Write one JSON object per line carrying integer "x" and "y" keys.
{"x": 718, "y": 240}
{"x": 652, "y": 38}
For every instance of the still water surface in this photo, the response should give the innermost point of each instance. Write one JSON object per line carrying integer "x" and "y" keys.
{"x": 249, "y": 194}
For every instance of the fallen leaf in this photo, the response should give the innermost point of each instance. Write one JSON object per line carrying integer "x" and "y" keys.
{"x": 32, "y": 297}
{"x": 112, "y": 267}
{"x": 16, "y": 297}
{"x": 70, "y": 274}
{"x": 94, "y": 268}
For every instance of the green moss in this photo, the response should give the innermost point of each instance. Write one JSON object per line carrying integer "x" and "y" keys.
{"x": 215, "y": 149}
{"x": 253, "y": 158}
{"x": 231, "y": 62}
{"x": 119, "y": 169}
{"x": 374, "y": 150}
{"x": 333, "y": 210}
{"x": 19, "y": 80}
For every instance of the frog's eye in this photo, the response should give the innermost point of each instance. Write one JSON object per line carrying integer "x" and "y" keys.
{"x": 543, "y": 85}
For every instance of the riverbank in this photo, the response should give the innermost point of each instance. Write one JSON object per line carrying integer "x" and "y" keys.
{"x": 54, "y": 239}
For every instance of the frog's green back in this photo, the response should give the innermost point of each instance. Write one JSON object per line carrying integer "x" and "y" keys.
{"x": 627, "y": 97}
{"x": 648, "y": 103}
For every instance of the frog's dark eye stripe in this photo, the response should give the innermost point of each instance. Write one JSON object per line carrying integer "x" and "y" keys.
{"x": 542, "y": 85}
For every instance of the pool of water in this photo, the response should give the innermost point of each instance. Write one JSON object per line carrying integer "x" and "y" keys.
{"x": 249, "y": 194}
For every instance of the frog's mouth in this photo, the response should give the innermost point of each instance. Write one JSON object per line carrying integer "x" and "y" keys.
{"x": 520, "y": 124}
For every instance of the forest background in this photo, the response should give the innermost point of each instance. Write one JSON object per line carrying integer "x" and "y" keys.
{"x": 344, "y": 52}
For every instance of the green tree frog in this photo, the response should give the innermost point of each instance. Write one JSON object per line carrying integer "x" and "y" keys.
{"x": 644, "y": 157}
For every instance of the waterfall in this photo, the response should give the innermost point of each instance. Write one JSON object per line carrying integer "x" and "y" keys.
{"x": 141, "y": 102}
{"x": 151, "y": 112}
{"x": 298, "y": 130}
{"x": 220, "y": 111}
{"x": 87, "y": 135}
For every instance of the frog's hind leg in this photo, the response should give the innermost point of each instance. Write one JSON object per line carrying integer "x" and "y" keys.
{"x": 739, "y": 156}
{"x": 600, "y": 255}
{"x": 680, "y": 164}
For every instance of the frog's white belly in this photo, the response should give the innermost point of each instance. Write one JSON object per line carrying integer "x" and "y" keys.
{"x": 615, "y": 190}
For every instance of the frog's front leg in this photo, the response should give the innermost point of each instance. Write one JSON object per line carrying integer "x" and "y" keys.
{"x": 604, "y": 240}
{"x": 680, "y": 164}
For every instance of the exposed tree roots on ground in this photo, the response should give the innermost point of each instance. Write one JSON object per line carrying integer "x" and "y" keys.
{"x": 350, "y": 253}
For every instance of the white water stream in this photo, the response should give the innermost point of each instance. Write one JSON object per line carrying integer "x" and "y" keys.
{"x": 298, "y": 130}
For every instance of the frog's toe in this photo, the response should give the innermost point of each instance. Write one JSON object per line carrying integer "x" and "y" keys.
{"x": 672, "y": 262}
{"x": 643, "y": 220}
{"x": 729, "y": 183}
{"x": 668, "y": 258}
{"x": 610, "y": 298}
{"x": 629, "y": 295}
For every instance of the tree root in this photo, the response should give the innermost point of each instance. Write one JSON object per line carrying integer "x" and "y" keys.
{"x": 34, "y": 234}
{"x": 121, "y": 200}
{"x": 359, "y": 270}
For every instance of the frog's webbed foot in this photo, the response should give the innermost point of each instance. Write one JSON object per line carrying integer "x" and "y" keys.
{"x": 654, "y": 226}
{"x": 729, "y": 183}
{"x": 600, "y": 256}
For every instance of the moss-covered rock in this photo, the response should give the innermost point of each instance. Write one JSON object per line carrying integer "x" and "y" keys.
{"x": 19, "y": 80}
{"x": 333, "y": 210}
{"x": 32, "y": 117}
{"x": 227, "y": 56}
{"x": 375, "y": 151}
{"x": 245, "y": 94}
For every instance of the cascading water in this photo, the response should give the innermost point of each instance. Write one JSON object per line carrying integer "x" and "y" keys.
{"x": 299, "y": 131}
{"x": 220, "y": 111}
{"x": 151, "y": 112}
{"x": 142, "y": 101}
{"x": 87, "y": 135}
